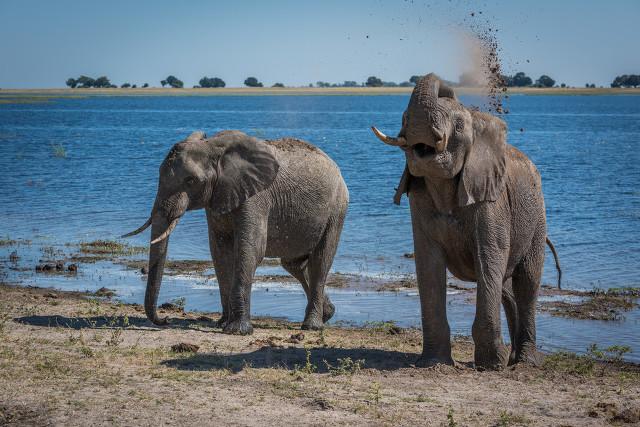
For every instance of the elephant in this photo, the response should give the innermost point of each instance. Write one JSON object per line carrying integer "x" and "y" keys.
{"x": 283, "y": 198}
{"x": 477, "y": 209}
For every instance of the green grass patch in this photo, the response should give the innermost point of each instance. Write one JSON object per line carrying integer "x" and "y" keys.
{"x": 584, "y": 365}
{"x": 110, "y": 247}
{"x": 7, "y": 241}
{"x": 59, "y": 151}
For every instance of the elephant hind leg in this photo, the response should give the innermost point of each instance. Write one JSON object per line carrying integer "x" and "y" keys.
{"x": 318, "y": 268}
{"x": 526, "y": 282}
{"x": 511, "y": 313}
{"x": 298, "y": 269}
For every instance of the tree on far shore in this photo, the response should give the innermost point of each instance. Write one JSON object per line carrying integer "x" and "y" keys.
{"x": 86, "y": 82}
{"x": 71, "y": 82}
{"x": 545, "y": 81}
{"x": 626, "y": 80}
{"x": 521, "y": 80}
{"x": 414, "y": 79}
{"x": 252, "y": 82}
{"x": 102, "y": 81}
{"x": 212, "y": 82}
{"x": 373, "y": 81}
{"x": 277, "y": 85}
{"x": 174, "y": 82}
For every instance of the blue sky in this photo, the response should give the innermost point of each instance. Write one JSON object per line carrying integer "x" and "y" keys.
{"x": 298, "y": 42}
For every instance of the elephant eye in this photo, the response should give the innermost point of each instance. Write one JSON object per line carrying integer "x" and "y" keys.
{"x": 459, "y": 124}
{"x": 190, "y": 180}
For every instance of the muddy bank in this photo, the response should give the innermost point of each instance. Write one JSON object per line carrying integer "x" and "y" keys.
{"x": 597, "y": 304}
{"x": 75, "y": 260}
{"x": 73, "y": 359}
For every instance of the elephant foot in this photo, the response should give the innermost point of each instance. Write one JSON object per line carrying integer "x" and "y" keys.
{"x": 312, "y": 323}
{"x": 222, "y": 322}
{"x": 529, "y": 354}
{"x": 513, "y": 357}
{"x": 491, "y": 357}
{"x": 328, "y": 310}
{"x": 427, "y": 361}
{"x": 238, "y": 327}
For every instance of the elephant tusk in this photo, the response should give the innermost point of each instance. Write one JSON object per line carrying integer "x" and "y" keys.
{"x": 398, "y": 142}
{"x": 138, "y": 230}
{"x": 441, "y": 140}
{"x": 166, "y": 232}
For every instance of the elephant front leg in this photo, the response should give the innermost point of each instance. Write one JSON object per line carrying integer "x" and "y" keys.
{"x": 490, "y": 351}
{"x": 432, "y": 287}
{"x": 221, "y": 247}
{"x": 222, "y": 255}
{"x": 249, "y": 249}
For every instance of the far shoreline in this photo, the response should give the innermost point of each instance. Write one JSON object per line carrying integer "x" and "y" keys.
{"x": 18, "y": 94}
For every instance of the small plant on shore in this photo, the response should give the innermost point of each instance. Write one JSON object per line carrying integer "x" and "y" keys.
{"x": 451, "y": 421}
{"x": 87, "y": 351}
{"x": 375, "y": 396}
{"x": 388, "y": 327}
{"x": 322, "y": 338}
{"x": 614, "y": 353}
{"x": 116, "y": 338}
{"x": 4, "y": 318}
{"x": 94, "y": 308}
{"x": 58, "y": 151}
{"x": 179, "y": 302}
{"x": 308, "y": 368}
{"x": 346, "y": 366}
{"x": 507, "y": 418}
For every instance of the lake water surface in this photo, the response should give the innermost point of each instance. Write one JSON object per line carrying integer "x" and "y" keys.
{"x": 586, "y": 148}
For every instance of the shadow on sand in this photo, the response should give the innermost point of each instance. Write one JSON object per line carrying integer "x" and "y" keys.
{"x": 266, "y": 357}
{"x": 294, "y": 357}
{"x": 106, "y": 322}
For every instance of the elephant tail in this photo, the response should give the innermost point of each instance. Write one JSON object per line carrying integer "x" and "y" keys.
{"x": 555, "y": 257}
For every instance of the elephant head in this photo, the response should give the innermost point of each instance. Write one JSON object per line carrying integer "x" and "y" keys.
{"x": 218, "y": 173}
{"x": 442, "y": 139}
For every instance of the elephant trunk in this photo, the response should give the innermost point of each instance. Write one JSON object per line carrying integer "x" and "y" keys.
{"x": 424, "y": 100}
{"x": 157, "y": 257}
{"x": 161, "y": 227}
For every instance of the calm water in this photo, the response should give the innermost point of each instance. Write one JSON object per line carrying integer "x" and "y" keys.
{"x": 586, "y": 148}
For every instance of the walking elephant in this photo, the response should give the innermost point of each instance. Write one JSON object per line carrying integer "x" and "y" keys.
{"x": 283, "y": 198}
{"x": 477, "y": 209}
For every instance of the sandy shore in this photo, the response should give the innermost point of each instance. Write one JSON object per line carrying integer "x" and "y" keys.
{"x": 74, "y": 359}
{"x": 7, "y": 94}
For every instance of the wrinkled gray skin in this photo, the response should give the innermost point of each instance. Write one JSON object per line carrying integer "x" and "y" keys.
{"x": 282, "y": 198}
{"x": 477, "y": 209}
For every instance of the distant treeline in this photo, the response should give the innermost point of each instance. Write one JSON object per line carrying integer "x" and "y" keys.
{"x": 626, "y": 80}
{"x": 519, "y": 79}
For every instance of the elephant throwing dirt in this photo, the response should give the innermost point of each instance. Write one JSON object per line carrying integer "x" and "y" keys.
{"x": 477, "y": 209}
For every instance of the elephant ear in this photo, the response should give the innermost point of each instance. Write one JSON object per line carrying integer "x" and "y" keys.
{"x": 482, "y": 177}
{"x": 246, "y": 167}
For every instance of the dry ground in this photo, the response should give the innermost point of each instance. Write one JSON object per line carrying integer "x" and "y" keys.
{"x": 72, "y": 359}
